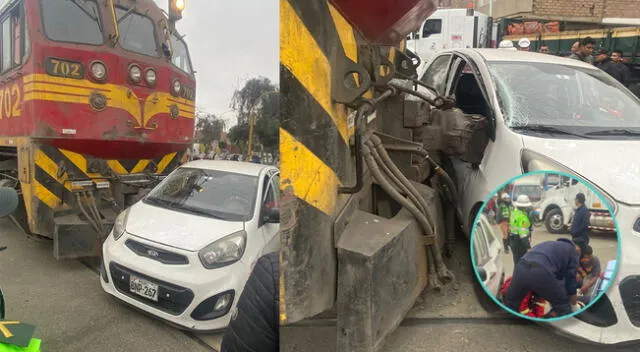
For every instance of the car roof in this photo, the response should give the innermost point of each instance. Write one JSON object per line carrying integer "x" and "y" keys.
{"x": 494, "y": 55}
{"x": 239, "y": 167}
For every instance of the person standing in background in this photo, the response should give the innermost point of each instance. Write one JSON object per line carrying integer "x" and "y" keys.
{"x": 524, "y": 44}
{"x": 520, "y": 227}
{"x": 584, "y": 50}
{"x": 503, "y": 215}
{"x": 544, "y": 49}
{"x": 580, "y": 223}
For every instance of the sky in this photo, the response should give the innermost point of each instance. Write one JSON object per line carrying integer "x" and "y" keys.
{"x": 230, "y": 42}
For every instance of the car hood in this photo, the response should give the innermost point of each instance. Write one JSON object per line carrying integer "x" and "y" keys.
{"x": 613, "y": 166}
{"x": 176, "y": 229}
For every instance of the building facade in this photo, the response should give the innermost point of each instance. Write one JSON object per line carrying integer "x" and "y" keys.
{"x": 605, "y": 12}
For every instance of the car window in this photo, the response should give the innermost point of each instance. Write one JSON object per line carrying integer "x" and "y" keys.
{"x": 432, "y": 26}
{"x": 436, "y": 75}
{"x": 480, "y": 243}
{"x": 213, "y": 193}
{"x": 453, "y": 75}
{"x": 491, "y": 238}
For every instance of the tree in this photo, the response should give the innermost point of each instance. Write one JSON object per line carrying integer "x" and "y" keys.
{"x": 260, "y": 97}
{"x": 250, "y": 97}
{"x": 209, "y": 128}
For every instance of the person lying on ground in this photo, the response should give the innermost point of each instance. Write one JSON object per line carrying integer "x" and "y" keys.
{"x": 549, "y": 270}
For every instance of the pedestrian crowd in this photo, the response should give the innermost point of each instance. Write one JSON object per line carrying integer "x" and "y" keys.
{"x": 552, "y": 278}
{"x": 610, "y": 62}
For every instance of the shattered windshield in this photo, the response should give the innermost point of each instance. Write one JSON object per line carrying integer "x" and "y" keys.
{"x": 217, "y": 194}
{"x": 557, "y": 99}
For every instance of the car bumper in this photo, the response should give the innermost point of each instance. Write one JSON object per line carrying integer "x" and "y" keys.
{"x": 614, "y": 319}
{"x": 183, "y": 290}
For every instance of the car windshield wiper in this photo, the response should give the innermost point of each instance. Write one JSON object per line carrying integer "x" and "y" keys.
{"x": 614, "y": 132}
{"x": 201, "y": 212}
{"x": 548, "y": 129}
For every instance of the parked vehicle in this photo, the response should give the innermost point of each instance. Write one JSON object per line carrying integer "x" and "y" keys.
{"x": 545, "y": 112}
{"x": 184, "y": 252}
{"x": 557, "y": 208}
{"x": 450, "y": 29}
{"x": 487, "y": 252}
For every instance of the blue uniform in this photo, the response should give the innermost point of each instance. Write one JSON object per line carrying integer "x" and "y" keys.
{"x": 542, "y": 270}
{"x": 580, "y": 226}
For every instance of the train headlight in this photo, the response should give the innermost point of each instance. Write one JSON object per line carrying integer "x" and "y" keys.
{"x": 98, "y": 71}
{"x": 151, "y": 77}
{"x": 177, "y": 87}
{"x": 135, "y": 73}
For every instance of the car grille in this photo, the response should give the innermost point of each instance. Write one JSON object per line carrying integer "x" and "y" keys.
{"x": 158, "y": 254}
{"x": 172, "y": 299}
{"x": 600, "y": 314}
{"x": 630, "y": 292}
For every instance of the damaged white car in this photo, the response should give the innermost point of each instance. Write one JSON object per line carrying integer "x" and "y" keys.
{"x": 552, "y": 113}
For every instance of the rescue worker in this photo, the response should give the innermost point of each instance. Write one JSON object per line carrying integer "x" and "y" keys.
{"x": 549, "y": 271}
{"x": 520, "y": 227}
{"x": 580, "y": 222}
{"x": 507, "y": 45}
{"x": 503, "y": 215}
{"x": 524, "y": 44}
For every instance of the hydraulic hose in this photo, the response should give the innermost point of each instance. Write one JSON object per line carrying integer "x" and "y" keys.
{"x": 415, "y": 93}
{"x": 377, "y": 143}
{"x": 96, "y": 212}
{"x": 398, "y": 184}
{"x": 443, "y": 272}
{"x": 84, "y": 211}
{"x": 384, "y": 183}
{"x": 452, "y": 193}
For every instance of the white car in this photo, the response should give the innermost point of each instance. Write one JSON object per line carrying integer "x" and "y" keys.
{"x": 553, "y": 113}
{"x": 487, "y": 251}
{"x": 185, "y": 251}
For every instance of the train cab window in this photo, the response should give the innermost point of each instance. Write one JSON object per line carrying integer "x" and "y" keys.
{"x": 137, "y": 33}
{"x": 13, "y": 37}
{"x": 180, "y": 56}
{"x": 72, "y": 21}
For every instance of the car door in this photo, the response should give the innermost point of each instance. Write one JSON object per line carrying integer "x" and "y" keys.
{"x": 270, "y": 200}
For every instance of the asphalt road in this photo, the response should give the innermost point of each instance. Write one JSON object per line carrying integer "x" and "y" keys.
{"x": 71, "y": 312}
{"x": 452, "y": 320}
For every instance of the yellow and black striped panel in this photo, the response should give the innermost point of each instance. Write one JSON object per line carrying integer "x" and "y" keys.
{"x": 315, "y": 153}
{"x": 54, "y": 170}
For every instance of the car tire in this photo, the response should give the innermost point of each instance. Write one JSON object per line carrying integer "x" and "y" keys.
{"x": 554, "y": 221}
{"x": 486, "y": 302}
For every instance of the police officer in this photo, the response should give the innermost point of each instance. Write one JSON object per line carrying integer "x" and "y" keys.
{"x": 549, "y": 271}
{"x": 504, "y": 214}
{"x": 520, "y": 227}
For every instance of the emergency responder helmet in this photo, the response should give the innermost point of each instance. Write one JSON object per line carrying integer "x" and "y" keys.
{"x": 506, "y": 44}
{"x": 522, "y": 201}
{"x": 524, "y": 43}
{"x": 505, "y": 196}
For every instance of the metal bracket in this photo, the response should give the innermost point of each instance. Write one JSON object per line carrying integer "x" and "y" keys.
{"x": 379, "y": 65}
{"x": 346, "y": 71}
{"x": 407, "y": 63}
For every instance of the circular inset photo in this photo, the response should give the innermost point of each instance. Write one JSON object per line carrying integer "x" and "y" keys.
{"x": 545, "y": 245}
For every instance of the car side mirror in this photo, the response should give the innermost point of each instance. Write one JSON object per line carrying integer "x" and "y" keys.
{"x": 482, "y": 273}
{"x": 272, "y": 216}
{"x": 8, "y": 201}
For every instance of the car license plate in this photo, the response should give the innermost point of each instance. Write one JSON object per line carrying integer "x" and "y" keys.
{"x": 143, "y": 288}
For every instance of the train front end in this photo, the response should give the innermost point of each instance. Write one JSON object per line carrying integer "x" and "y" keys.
{"x": 104, "y": 98}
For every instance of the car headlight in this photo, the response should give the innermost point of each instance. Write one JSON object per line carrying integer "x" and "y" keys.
{"x": 120, "y": 225}
{"x": 224, "y": 251}
{"x": 532, "y": 161}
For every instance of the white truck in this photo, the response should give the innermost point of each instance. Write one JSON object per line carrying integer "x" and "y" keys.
{"x": 448, "y": 29}
{"x": 558, "y": 203}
